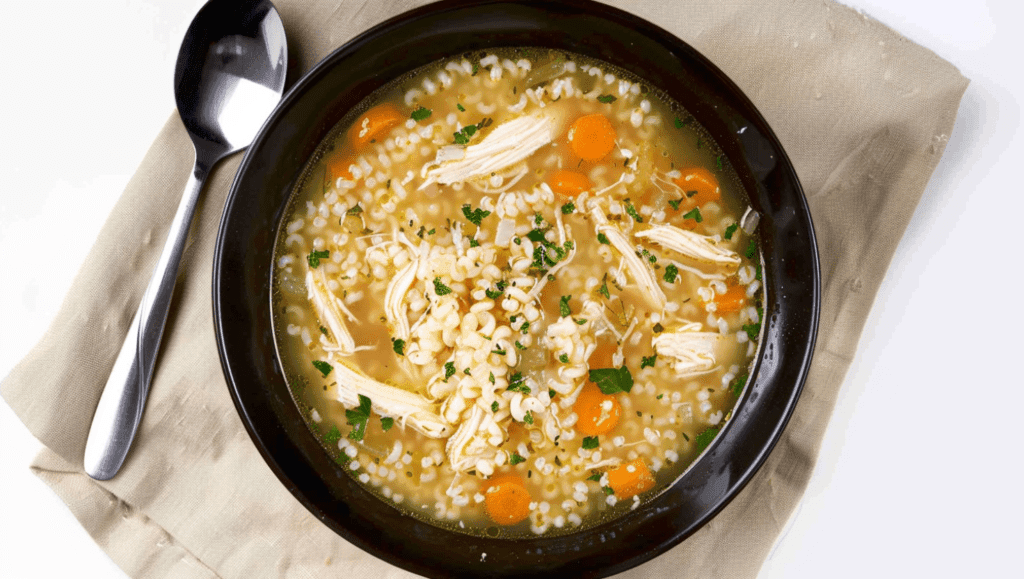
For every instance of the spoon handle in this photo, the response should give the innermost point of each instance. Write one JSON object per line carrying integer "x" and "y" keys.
{"x": 124, "y": 396}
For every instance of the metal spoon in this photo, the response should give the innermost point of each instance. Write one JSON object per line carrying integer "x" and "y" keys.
{"x": 229, "y": 77}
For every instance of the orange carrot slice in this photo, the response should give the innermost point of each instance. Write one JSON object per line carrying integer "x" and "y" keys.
{"x": 568, "y": 183}
{"x": 506, "y": 499}
{"x": 630, "y": 478}
{"x": 597, "y": 413}
{"x": 338, "y": 166}
{"x": 592, "y": 137}
{"x": 732, "y": 300}
{"x": 703, "y": 182}
{"x": 373, "y": 124}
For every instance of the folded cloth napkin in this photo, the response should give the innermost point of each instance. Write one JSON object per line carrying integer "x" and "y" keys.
{"x": 863, "y": 113}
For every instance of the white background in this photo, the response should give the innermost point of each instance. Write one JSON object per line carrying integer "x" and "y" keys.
{"x": 920, "y": 471}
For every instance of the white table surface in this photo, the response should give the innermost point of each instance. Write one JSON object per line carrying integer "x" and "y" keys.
{"x": 919, "y": 475}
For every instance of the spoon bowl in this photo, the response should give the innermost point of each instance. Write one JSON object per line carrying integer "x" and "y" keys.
{"x": 229, "y": 76}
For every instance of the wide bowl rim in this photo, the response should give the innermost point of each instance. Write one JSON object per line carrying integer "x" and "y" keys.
{"x": 237, "y": 387}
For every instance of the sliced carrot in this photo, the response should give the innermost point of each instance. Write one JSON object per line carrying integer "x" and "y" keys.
{"x": 568, "y": 183}
{"x": 732, "y": 300}
{"x": 703, "y": 182}
{"x": 592, "y": 137}
{"x": 597, "y": 413}
{"x": 374, "y": 123}
{"x": 506, "y": 499}
{"x": 338, "y": 166}
{"x": 630, "y": 478}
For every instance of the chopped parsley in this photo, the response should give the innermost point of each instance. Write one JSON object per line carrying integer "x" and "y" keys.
{"x": 736, "y": 386}
{"x": 729, "y": 231}
{"x": 671, "y": 271}
{"x": 591, "y": 442}
{"x": 564, "y": 358}
{"x": 675, "y": 204}
{"x": 440, "y": 289}
{"x": 398, "y": 346}
{"x": 333, "y": 435}
{"x": 608, "y": 490}
{"x": 449, "y": 370}
{"x": 462, "y": 137}
{"x": 612, "y": 380}
{"x": 704, "y": 438}
{"x": 580, "y": 322}
{"x": 495, "y": 294}
{"x": 494, "y": 406}
{"x": 752, "y": 330}
{"x": 700, "y": 143}
{"x": 520, "y": 346}
{"x": 460, "y": 107}
{"x": 516, "y": 383}
{"x": 694, "y": 214}
{"x": 490, "y": 377}
{"x": 648, "y": 361}
{"x": 323, "y": 330}
{"x": 603, "y": 290}
{"x": 474, "y": 243}
{"x": 536, "y": 236}
{"x": 751, "y": 249}
{"x": 421, "y": 113}
{"x": 631, "y": 211}
{"x": 528, "y": 418}
{"x": 563, "y": 306}
{"x": 354, "y": 210}
{"x": 606, "y": 99}
{"x": 476, "y": 68}
{"x": 718, "y": 162}
{"x": 474, "y": 216}
{"x": 525, "y": 328}
{"x": 386, "y": 422}
{"x": 680, "y": 124}
{"x": 568, "y": 208}
{"x": 515, "y": 459}
{"x": 596, "y": 477}
{"x": 324, "y": 367}
{"x": 551, "y": 394}
{"x": 357, "y": 418}
{"x": 499, "y": 351}
{"x": 602, "y": 238}
{"x": 314, "y": 258}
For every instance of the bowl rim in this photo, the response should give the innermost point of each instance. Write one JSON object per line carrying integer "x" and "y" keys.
{"x": 222, "y": 317}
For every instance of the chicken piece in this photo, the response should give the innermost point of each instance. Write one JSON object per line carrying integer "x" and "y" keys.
{"x": 405, "y": 407}
{"x": 641, "y": 274}
{"x": 691, "y": 351}
{"x": 695, "y": 246}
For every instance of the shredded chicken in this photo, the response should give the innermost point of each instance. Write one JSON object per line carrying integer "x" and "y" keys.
{"x": 692, "y": 351}
{"x": 508, "y": 144}
{"x": 642, "y": 275}
{"x": 398, "y": 287}
{"x": 695, "y": 246}
{"x": 475, "y": 441}
{"x": 408, "y": 408}
{"x": 330, "y": 309}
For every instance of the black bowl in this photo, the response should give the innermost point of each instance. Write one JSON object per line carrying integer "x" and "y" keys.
{"x": 273, "y": 164}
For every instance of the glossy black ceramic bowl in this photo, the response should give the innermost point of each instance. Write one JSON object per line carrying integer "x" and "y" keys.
{"x": 274, "y": 163}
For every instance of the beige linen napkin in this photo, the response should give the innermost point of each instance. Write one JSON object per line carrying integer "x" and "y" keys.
{"x": 863, "y": 113}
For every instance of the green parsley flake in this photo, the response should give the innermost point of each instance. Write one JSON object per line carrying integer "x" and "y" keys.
{"x": 398, "y": 346}
{"x": 476, "y": 69}
{"x": 606, "y": 99}
{"x": 357, "y": 417}
{"x": 752, "y": 330}
{"x": 564, "y": 358}
{"x": 515, "y": 458}
{"x": 631, "y": 211}
{"x": 528, "y": 418}
{"x": 474, "y": 243}
{"x": 386, "y": 422}
{"x": 333, "y": 435}
{"x": 525, "y": 328}
{"x": 694, "y": 214}
{"x": 323, "y": 330}
{"x": 704, "y": 438}
{"x": 737, "y": 384}
{"x": 494, "y": 406}
{"x": 449, "y": 370}
{"x": 474, "y": 216}
{"x": 568, "y": 208}
{"x": 603, "y": 290}
{"x": 671, "y": 271}
{"x": 608, "y": 490}
{"x": 603, "y": 239}
{"x": 596, "y": 477}
{"x": 440, "y": 289}
{"x": 675, "y": 204}
{"x": 460, "y": 107}
{"x": 421, "y": 113}
{"x": 612, "y": 380}
{"x": 516, "y": 383}
{"x": 520, "y": 346}
{"x": 354, "y": 210}
{"x": 324, "y": 367}
{"x": 580, "y": 322}
{"x": 718, "y": 162}
{"x": 314, "y": 258}
{"x": 648, "y": 361}
{"x": 729, "y": 231}
{"x": 751, "y": 249}
{"x": 591, "y": 442}
{"x": 563, "y": 306}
